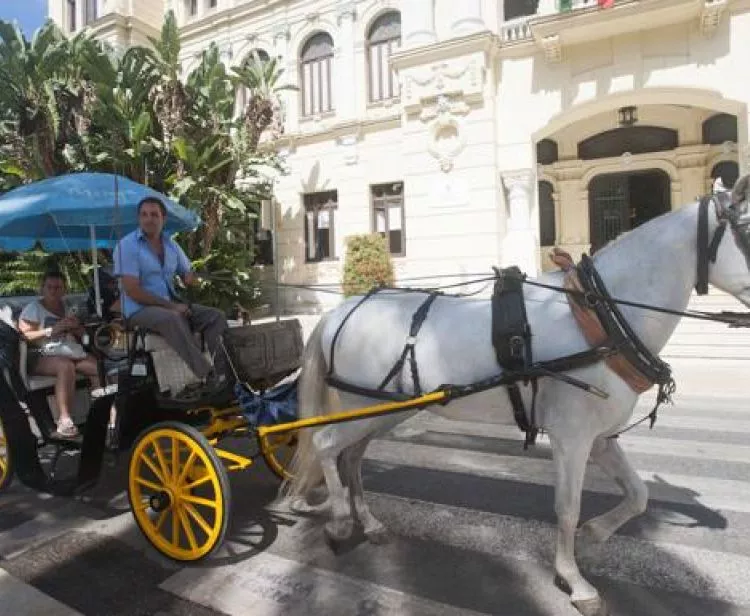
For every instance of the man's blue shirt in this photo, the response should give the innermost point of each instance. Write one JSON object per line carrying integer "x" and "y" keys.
{"x": 134, "y": 257}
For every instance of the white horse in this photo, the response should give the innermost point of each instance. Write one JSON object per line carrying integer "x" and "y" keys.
{"x": 654, "y": 264}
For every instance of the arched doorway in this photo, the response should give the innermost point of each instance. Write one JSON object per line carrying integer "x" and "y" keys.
{"x": 619, "y": 202}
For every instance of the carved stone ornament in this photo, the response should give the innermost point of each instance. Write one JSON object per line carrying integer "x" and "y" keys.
{"x": 436, "y": 79}
{"x": 346, "y": 10}
{"x": 552, "y": 48}
{"x": 282, "y": 31}
{"x": 710, "y": 16}
{"x": 349, "y": 148}
{"x": 442, "y": 71}
{"x": 445, "y": 129}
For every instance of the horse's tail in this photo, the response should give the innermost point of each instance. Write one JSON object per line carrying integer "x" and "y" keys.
{"x": 313, "y": 399}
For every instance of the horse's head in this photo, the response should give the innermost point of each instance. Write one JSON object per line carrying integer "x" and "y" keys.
{"x": 731, "y": 271}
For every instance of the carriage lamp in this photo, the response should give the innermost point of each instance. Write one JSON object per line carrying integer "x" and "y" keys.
{"x": 627, "y": 116}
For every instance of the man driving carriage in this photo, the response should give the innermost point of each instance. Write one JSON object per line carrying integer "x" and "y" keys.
{"x": 147, "y": 261}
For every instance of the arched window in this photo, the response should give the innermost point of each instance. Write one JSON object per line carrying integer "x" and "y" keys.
{"x": 383, "y": 38}
{"x": 720, "y": 128}
{"x": 547, "y": 230}
{"x": 316, "y": 63}
{"x": 243, "y": 95}
{"x": 728, "y": 171}
{"x": 633, "y": 139}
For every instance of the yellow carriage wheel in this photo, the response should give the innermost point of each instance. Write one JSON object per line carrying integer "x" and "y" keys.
{"x": 179, "y": 491}
{"x": 278, "y": 450}
{"x": 6, "y": 464}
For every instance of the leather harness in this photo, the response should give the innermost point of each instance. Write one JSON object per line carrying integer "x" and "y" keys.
{"x": 596, "y": 313}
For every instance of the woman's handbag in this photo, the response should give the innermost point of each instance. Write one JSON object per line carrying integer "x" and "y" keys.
{"x": 63, "y": 348}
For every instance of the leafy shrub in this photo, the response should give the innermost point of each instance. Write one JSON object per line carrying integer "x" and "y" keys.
{"x": 367, "y": 264}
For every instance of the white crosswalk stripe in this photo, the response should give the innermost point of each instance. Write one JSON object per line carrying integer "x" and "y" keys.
{"x": 690, "y": 549}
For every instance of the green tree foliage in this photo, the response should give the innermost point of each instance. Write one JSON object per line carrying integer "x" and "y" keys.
{"x": 72, "y": 104}
{"x": 367, "y": 264}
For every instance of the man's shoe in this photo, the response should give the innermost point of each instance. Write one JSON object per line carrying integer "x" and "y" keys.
{"x": 217, "y": 390}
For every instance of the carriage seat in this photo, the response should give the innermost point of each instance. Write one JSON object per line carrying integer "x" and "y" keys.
{"x": 172, "y": 373}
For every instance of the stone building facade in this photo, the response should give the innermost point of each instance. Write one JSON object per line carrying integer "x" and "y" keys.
{"x": 478, "y": 132}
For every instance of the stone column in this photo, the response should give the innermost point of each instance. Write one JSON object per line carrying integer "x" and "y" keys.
{"x": 520, "y": 243}
{"x": 418, "y": 23}
{"x": 344, "y": 74}
{"x": 465, "y": 16}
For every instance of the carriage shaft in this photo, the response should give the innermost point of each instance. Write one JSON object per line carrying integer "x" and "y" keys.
{"x": 362, "y": 413}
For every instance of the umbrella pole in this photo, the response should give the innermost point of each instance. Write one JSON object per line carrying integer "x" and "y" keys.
{"x": 95, "y": 261}
{"x": 275, "y": 257}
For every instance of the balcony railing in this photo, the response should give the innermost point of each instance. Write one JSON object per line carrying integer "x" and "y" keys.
{"x": 516, "y": 30}
{"x": 576, "y": 21}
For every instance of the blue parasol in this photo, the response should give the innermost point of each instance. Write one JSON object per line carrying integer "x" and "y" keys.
{"x": 80, "y": 211}
{"x": 62, "y": 213}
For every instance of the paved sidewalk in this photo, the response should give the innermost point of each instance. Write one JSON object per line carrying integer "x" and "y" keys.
{"x": 17, "y": 597}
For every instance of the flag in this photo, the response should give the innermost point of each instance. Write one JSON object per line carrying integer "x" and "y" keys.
{"x": 605, "y": 4}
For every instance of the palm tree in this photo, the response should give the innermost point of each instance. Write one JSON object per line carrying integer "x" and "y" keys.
{"x": 32, "y": 96}
{"x": 261, "y": 77}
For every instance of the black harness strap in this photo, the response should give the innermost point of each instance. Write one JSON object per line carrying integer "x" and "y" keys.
{"x": 701, "y": 286}
{"x": 367, "y": 296}
{"x": 417, "y": 321}
{"x": 707, "y": 252}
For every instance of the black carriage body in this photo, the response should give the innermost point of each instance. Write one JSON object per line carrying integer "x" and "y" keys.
{"x": 262, "y": 354}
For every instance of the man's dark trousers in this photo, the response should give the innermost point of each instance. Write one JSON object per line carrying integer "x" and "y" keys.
{"x": 177, "y": 330}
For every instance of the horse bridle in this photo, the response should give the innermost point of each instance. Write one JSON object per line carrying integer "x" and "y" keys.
{"x": 733, "y": 214}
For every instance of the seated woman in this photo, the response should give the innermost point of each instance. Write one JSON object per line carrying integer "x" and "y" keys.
{"x": 45, "y": 322}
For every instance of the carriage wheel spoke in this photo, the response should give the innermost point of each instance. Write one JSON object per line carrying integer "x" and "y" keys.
{"x": 199, "y": 519}
{"x": 149, "y": 484}
{"x": 175, "y": 527}
{"x": 162, "y": 462}
{"x": 175, "y": 457}
{"x": 185, "y": 523}
{"x": 197, "y": 500}
{"x": 153, "y": 468}
{"x": 196, "y": 483}
{"x": 160, "y": 521}
{"x": 186, "y": 468}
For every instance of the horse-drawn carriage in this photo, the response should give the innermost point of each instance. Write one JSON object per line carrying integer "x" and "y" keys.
{"x": 568, "y": 354}
{"x": 177, "y": 436}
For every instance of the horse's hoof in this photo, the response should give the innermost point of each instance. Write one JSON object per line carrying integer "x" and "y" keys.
{"x": 338, "y": 531}
{"x": 378, "y": 536}
{"x": 592, "y": 607}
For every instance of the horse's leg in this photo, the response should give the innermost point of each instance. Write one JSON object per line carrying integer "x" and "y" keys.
{"x": 341, "y": 524}
{"x": 609, "y": 456}
{"x": 571, "y": 455}
{"x": 371, "y": 526}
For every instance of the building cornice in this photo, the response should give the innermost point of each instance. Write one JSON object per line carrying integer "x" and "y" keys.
{"x": 336, "y": 132}
{"x": 114, "y": 21}
{"x": 480, "y": 42}
{"x": 207, "y": 23}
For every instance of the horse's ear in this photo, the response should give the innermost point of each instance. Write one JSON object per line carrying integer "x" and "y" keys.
{"x": 741, "y": 189}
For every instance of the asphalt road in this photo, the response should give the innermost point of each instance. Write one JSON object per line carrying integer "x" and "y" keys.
{"x": 472, "y": 526}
